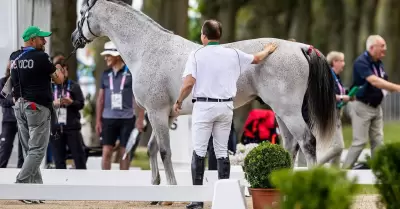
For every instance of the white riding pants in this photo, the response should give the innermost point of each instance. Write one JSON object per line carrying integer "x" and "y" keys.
{"x": 211, "y": 118}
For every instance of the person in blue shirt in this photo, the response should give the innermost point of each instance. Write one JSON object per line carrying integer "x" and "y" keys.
{"x": 336, "y": 62}
{"x": 366, "y": 111}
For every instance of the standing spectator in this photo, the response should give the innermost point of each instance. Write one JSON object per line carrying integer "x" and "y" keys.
{"x": 366, "y": 116}
{"x": 68, "y": 100}
{"x": 115, "y": 107}
{"x": 333, "y": 154}
{"x": 31, "y": 74}
{"x": 9, "y": 127}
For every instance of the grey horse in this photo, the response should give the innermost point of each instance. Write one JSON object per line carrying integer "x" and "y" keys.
{"x": 295, "y": 77}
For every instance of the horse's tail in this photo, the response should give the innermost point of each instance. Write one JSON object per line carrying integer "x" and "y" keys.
{"x": 320, "y": 95}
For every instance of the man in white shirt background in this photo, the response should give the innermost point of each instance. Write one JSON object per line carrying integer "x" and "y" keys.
{"x": 211, "y": 72}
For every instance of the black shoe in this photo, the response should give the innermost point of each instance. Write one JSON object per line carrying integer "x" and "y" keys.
{"x": 224, "y": 168}
{"x": 195, "y": 205}
{"x": 30, "y": 201}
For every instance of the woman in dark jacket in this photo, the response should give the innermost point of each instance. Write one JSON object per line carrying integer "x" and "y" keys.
{"x": 9, "y": 127}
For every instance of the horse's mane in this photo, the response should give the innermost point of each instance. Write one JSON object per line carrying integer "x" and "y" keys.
{"x": 141, "y": 14}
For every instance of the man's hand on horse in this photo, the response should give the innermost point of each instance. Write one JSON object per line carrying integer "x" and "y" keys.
{"x": 270, "y": 47}
{"x": 177, "y": 107}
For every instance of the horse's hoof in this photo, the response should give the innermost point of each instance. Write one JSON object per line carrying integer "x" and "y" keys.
{"x": 167, "y": 203}
{"x": 154, "y": 203}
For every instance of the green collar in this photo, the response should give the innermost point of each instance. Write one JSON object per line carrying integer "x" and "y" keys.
{"x": 213, "y": 43}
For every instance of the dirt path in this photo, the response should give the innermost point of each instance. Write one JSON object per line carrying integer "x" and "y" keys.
{"x": 361, "y": 202}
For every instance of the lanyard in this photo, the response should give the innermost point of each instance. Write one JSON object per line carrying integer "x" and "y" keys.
{"x": 110, "y": 75}
{"x": 62, "y": 93}
{"x": 376, "y": 72}
{"x": 25, "y": 50}
{"x": 374, "y": 68}
{"x": 341, "y": 89}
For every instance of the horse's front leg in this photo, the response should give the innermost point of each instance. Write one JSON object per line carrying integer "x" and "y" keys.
{"x": 160, "y": 124}
{"x": 152, "y": 150}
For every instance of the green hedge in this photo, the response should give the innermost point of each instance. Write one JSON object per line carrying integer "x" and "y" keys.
{"x": 262, "y": 160}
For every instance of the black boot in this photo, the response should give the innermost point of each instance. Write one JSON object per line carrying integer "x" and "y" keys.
{"x": 224, "y": 168}
{"x": 197, "y": 178}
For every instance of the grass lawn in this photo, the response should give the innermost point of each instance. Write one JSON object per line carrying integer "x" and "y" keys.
{"x": 391, "y": 133}
{"x": 141, "y": 159}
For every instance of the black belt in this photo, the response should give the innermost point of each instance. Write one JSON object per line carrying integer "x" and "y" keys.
{"x": 206, "y": 99}
{"x": 368, "y": 103}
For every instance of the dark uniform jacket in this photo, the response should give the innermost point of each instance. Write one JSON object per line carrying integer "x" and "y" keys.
{"x": 73, "y": 114}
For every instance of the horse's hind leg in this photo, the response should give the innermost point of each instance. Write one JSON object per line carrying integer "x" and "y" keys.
{"x": 300, "y": 131}
{"x": 289, "y": 143}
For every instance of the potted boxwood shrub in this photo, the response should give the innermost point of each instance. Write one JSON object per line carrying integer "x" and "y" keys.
{"x": 259, "y": 163}
{"x": 385, "y": 164}
{"x": 317, "y": 188}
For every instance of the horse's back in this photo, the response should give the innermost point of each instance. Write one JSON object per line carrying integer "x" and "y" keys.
{"x": 284, "y": 73}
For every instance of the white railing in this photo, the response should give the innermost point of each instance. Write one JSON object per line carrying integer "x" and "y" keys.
{"x": 391, "y": 107}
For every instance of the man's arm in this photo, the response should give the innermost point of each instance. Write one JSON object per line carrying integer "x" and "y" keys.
{"x": 99, "y": 105}
{"x": 363, "y": 69}
{"x": 78, "y": 101}
{"x": 260, "y": 56}
{"x": 57, "y": 76}
{"x": 54, "y": 71}
{"x": 186, "y": 88}
{"x": 383, "y": 84}
{"x": 189, "y": 76}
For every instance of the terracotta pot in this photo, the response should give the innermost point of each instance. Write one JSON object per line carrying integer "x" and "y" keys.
{"x": 265, "y": 198}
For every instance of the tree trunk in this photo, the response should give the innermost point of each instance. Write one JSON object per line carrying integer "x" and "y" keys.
{"x": 152, "y": 8}
{"x": 335, "y": 8}
{"x": 63, "y": 23}
{"x": 175, "y": 16}
{"x": 352, "y": 29}
{"x": 367, "y": 24}
{"x": 300, "y": 27}
{"x": 388, "y": 20}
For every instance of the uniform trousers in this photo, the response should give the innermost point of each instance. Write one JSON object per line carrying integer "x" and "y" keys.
{"x": 9, "y": 130}
{"x": 211, "y": 118}
{"x": 33, "y": 133}
{"x": 367, "y": 123}
{"x": 73, "y": 139}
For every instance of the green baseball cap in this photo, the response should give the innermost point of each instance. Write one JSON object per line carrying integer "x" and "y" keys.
{"x": 33, "y": 31}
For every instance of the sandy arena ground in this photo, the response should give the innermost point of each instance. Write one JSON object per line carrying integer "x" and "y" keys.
{"x": 361, "y": 202}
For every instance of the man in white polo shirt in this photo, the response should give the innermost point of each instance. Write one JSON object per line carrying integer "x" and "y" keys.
{"x": 212, "y": 72}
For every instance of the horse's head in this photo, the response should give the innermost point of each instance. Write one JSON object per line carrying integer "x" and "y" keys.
{"x": 87, "y": 28}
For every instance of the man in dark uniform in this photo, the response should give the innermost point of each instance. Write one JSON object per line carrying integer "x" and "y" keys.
{"x": 68, "y": 101}
{"x": 8, "y": 127}
{"x": 366, "y": 111}
{"x": 31, "y": 74}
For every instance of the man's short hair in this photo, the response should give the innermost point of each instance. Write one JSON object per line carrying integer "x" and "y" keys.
{"x": 371, "y": 40}
{"x": 212, "y": 29}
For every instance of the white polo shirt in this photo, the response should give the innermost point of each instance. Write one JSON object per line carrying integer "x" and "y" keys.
{"x": 216, "y": 70}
